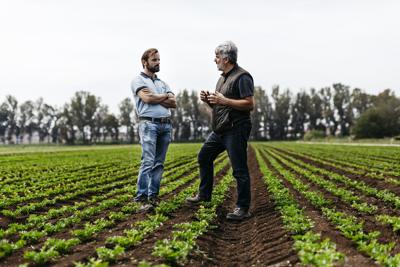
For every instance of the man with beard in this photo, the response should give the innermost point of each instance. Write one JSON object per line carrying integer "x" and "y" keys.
{"x": 153, "y": 99}
{"x": 231, "y": 104}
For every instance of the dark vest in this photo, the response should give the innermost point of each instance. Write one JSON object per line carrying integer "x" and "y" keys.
{"x": 223, "y": 117}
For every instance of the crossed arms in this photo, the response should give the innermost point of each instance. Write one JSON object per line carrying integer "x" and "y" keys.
{"x": 166, "y": 100}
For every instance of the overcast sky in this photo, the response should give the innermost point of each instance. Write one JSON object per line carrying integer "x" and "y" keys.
{"x": 52, "y": 49}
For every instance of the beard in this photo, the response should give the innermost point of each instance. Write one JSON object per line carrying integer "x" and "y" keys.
{"x": 154, "y": 69}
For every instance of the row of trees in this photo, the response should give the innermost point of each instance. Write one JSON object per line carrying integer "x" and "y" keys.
{"x": 85, "y": 119}
{"x": 335, "y": 110}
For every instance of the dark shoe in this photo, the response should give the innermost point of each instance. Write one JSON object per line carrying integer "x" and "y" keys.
{"x": 196, "y": 199}
{"x": 141, "y": 199}
{"x": 154, "y": 200}
{"x": 238, "y": 214}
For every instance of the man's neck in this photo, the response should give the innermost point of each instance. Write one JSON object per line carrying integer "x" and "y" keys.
{"x": 228, "y": 68}
{"x": 149, "y": 73}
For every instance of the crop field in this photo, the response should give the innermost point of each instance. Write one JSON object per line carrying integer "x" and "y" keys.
{"x": 312, "y": 205}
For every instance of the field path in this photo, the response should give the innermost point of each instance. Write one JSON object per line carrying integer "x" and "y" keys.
{"x": 258, "y": 241}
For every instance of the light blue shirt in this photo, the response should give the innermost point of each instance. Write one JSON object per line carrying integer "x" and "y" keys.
{"x": 156, "y": 86}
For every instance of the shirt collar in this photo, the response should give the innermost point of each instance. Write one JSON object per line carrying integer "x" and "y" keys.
{"x": 229, "y": 72}
{"x": 147, "y": 76}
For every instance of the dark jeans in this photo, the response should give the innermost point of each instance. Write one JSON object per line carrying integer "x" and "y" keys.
{"x": 235, "y": 142}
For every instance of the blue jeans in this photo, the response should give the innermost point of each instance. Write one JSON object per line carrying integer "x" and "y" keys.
{"x": 154, "y": 138}
{"x": 234, "y": 142}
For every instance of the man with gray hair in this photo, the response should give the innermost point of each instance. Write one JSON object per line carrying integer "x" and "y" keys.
{"x": 231, "y": 104}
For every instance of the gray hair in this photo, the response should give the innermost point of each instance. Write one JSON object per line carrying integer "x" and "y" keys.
{"x": 228, "y": 50}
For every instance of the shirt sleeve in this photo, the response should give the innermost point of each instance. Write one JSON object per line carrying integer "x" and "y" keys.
{"x": 246, "y": 86}
{"x": 137, "y": 85}
{"x": 167, "y": 89}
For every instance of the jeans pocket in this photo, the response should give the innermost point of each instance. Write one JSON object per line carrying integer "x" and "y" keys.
{"x": 143, "y": 131}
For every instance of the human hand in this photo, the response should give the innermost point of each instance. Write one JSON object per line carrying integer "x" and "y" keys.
{"x": 217, "y": 98}
{"x": 203, "y": 96}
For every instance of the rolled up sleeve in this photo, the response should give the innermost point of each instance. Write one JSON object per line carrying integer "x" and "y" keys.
{"x": 137, "y": 85}
{"x": 167, "y": 89}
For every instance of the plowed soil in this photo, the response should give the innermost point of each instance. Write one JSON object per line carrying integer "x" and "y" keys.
{"x": 260, "y": 240}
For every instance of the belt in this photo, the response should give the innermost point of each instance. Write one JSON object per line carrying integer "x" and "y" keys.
{"x": 160, "y": 120}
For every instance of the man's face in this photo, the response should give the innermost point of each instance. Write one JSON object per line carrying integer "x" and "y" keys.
{"x": 221, "y": 62}
{"x": 153, "y": 63}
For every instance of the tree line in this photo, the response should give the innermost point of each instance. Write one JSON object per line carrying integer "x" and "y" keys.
{"x": 278, "y": 115}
